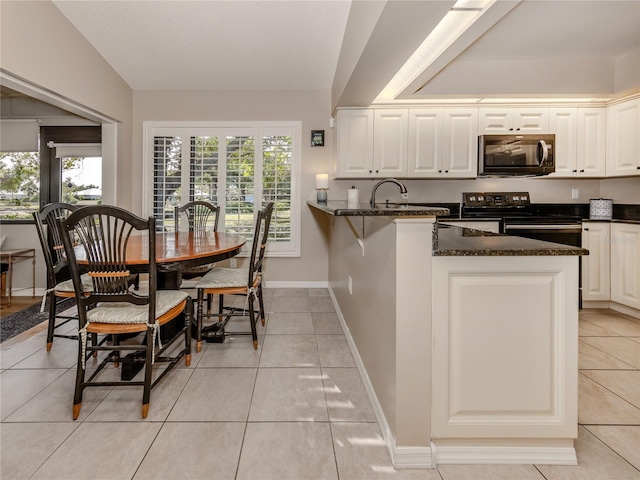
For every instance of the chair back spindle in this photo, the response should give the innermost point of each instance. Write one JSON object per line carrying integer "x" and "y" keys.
{"x": 201, "y": 216}
{"x": 103, "y": 233}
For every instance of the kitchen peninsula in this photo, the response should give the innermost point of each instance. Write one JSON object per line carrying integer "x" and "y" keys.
{"x": 466, "y": 340}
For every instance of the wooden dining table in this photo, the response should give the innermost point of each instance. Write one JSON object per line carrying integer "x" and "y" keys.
{"x": 174, "y": 250}
{"x": 177, "y": 250}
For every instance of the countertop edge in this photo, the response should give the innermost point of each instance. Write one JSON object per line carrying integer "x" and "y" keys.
{"x": 342, "y": 209}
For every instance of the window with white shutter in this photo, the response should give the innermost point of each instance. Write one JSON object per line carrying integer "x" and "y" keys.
{"x": 238, "y": 167}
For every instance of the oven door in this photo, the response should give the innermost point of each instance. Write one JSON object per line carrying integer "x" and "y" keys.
{"x": 564, "y": 232}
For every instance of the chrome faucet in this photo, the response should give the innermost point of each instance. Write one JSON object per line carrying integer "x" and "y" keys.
{"x": 403, "y": 191}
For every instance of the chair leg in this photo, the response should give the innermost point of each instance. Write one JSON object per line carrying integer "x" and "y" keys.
{"x": 116, "y": 353}
{"x": 77, "y": 395}
{"x": 253, "y": 319}
{"x": 188, "y": 320}
{"x": 261, "y": 303}
{"x": 220, "y": 307}
{"x": 209, "y": 301}
{"x": 52, "y": 320}
{"x": 199, "y": 320}
{"x": 148, "y": 369}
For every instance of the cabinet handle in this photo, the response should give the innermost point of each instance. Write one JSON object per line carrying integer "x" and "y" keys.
{"x": 511, "y": 129}
{"x": 638, "y": 167}
{"x": 370, "y": 171}
{"x": 518, "y": 129}
{"x": 586, "y": 229}
{"x": 446, "y": 171}
{"x": 377, "y": 171}
{"x": 439, "y": 171}
{"x": 574, "y": 171}
{"x": 582, "y": 171}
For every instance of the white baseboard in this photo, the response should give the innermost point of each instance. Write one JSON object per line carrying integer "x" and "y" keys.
{"x": 460, "y": 455}
{"x": 624, "y": 309}
{"x": 287, "y": 284}
{"x": 401, "y": 457}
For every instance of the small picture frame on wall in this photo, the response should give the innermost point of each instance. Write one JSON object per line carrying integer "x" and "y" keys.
{"x": 317, "y": 138}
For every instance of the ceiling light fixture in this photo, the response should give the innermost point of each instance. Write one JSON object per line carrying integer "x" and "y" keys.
{"x": 458, "y": 19}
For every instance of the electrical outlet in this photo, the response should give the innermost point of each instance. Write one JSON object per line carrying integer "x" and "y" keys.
{"x": 350, "y": 281}
{"x": 575, "y": 193}
{"x": 232, "y": 263}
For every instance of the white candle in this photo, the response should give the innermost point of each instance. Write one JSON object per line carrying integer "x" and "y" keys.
{"x": 322, "y": 181}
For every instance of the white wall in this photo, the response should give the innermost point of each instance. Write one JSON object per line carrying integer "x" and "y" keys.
{"x": 542, "y": 190}
{"x": 39, "y": 45}
{"x": 310, "y": 107}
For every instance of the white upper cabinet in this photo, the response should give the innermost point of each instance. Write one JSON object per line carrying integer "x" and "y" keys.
{"x": 563, "y": 122}
{"x": 580, "y": 141}
{"x": 407, "y": 143}
{"x": 460, "y": 143}
{"x": 372, "y": 143}
{"x": 355, "y": 143}
{"x": 425, "y": 142}
{"x": 390, "y": 143}
{"x": 623, "y": 138}
{"x": 513, "y": 120}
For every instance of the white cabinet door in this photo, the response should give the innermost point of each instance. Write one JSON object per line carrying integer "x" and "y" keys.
{"x": 495, "y": 121}
{"x": 390, "y": 129}
{"x": 563, "y": 122}
{"x": 596, "y": 238}
{"x": 425, "y": 142}
{"x": 592, "y": 135}
{"x": 531, "y": 120}
{"x": 355, "y": 143}
{"x": 460, "y": 143}
{"x": 580, "y": 141}
{"x": 623, "y": 139}
{"x": 625, "y": 264}
{"x": 510, "y": 120}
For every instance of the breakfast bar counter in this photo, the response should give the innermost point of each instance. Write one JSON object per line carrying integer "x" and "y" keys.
{"x": 466, "y": 340}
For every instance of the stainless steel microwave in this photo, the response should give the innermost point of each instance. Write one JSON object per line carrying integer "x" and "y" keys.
{"x": 515, "y": 155}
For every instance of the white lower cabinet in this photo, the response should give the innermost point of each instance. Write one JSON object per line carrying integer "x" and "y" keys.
{"x": 625, "y": 264}
{"x": 596, "y": 237}
{"x": 504, "y": 343}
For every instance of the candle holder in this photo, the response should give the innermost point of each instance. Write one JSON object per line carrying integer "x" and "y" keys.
{"x": 322, "y": 185}
{"x": 322, "y": 195}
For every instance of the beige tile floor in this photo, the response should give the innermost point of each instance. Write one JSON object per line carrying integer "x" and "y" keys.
{"x": 294, "y": 409}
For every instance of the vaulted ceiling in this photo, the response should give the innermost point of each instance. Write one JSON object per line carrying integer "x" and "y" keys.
{"x": 354, "y": 48}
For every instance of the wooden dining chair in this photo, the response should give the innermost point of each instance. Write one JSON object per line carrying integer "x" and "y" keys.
{"x": 59, "y": 284}
{"x": 112, "y": 308}
{"x": 201, "y": 216}
{"x": 231, "y": 281}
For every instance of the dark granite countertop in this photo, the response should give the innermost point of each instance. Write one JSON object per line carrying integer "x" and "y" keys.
{"x": 340, "y": 208}
{"x": 460, "y": 242}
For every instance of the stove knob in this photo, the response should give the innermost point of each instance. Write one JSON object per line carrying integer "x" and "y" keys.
{"x": 515, "y": 198}
{"x": 481, "y": 198}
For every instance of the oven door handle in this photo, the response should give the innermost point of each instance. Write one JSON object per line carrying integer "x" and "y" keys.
{"x": 570, "y": 228}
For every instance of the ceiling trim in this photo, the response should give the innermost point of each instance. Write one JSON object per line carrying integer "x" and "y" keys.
{"x": 28, "y": 88}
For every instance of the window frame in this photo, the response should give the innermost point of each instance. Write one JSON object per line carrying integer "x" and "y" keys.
{"x": 222, "y": 129}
